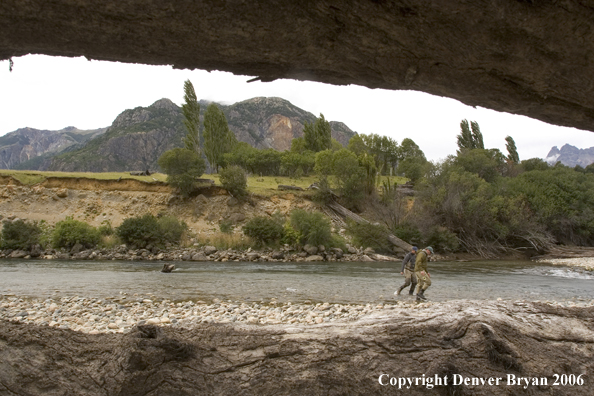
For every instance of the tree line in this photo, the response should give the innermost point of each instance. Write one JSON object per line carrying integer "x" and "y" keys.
{"x": 480, "y": 200}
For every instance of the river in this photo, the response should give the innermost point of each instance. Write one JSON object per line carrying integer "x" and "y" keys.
{"x": 334, "y": 282}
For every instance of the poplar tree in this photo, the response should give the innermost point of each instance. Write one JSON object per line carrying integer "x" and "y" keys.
{"x": 477, "y": 136}
{"x": 318, "y": 136}
{"x": 218, "y": 138}
{"x": 470, "y": 136}
{"x": 512, "y": 151}
{"x": 191, "y": 112}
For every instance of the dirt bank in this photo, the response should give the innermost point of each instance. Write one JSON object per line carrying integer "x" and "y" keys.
{"x": 488, "y": 340}
{"x": 96, "y": 201}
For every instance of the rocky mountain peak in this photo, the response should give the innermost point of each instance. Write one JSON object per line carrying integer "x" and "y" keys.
{"x": 166, "y": 104}
{"x": 571, "y": 156}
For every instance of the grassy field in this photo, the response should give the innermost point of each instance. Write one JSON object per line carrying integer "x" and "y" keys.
{"x": 261, "y": 185}
{"x": 34, "y": 177}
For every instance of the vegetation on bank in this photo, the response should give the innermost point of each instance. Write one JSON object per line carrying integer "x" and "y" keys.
{"x": 150, "y": 232}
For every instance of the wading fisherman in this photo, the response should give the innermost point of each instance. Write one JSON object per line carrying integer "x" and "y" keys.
{"x": 423, "y": 277}
{"x": 408, "y": 270}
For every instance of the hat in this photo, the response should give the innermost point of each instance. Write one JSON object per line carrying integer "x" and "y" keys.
{"x": 415, "y": 248}
{"x": 430, "y": 249}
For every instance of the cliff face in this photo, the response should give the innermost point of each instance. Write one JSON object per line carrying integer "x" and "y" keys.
{"x": 274, "y": 122}
{"x": 25, "y": 144}
{"x": 139, "y": 136}
{"x": 134, "y": 141}
{"x": 571, "y": 156}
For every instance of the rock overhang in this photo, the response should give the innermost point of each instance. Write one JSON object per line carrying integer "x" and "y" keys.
{"x": 533, "y": 58}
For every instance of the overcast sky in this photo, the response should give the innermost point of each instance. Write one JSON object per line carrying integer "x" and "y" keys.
{"x": 52, "y": 93}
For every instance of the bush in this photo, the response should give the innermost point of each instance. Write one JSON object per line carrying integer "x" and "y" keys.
{"x": 290, "y": 235}
{"x": 69, "y": 232}
{"x": 226, "y": 227}
{"x": 314, "y": 228}
{"x": 409, "y": 233}
{"x": 20, "y": 235}
{"x": 369, "y": 235}
{"x": 234, "y": 180}
{"x": 182, "y": 167}
{"x": 263, "y": 230}
{"x": 139, "y": 231}
{"x": 105, "y": 229}
{"x": 443, "y": 239}
{"x": 171, "y": 229}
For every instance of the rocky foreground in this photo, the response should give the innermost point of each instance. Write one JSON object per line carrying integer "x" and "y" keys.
{"x": 337, "y": 350}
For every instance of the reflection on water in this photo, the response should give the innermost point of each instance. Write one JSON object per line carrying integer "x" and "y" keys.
{"x": 321, "y": 281}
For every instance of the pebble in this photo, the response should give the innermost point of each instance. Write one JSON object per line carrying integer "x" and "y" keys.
{"x": 116, "y": 315}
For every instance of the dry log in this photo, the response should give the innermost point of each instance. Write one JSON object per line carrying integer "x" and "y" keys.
{"x": 347, "y": 214}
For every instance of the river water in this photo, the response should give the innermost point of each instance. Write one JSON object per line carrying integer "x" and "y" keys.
{"x": 296, "y": 282}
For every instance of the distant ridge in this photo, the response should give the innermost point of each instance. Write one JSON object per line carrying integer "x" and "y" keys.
{"x": 26, "y": 144}
{"x": 571, "y": 156}
{"x": 137, "y": 137}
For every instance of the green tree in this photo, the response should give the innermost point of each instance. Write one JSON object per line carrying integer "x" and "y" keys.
{"x": 350, "y": 177}
{"x": 412, "y": 162}
{"x": 318, "y": 136}
{"x": 182, "y": 167}
{"x": 470, "y": 136}
{"x": 298, "y": 145}
{"x": 357, "y": 145}
{"x": 384, "y": 150}
{"x": 512, "y": 151}
{"x": 487, "y": 164}
{"x": 477, "y": 135}
{"x": 218, "y": 138}
{"x": 191, "y": 112}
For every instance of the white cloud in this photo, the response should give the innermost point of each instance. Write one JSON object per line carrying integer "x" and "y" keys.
{"x": 52, "y": 93}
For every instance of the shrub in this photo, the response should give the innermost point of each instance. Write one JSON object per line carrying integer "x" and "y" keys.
{"x": 69, "y": 232}
{"x": 234, "y": 180}
{"x": 105, "y": 229}
{"x": 182, "y": 167}
{"x": 443, "y": 239}
{"x": 20, "y": 235}
{"x": 369, "y": 235}
{"x": 263, "y": 230}
{"x": 290, "y": 235}
{"x": 139, "y": 231}
{"x": 313, "y": 227}
{"x": 408, "y": 233}
{"x": 226, "y": 227}
{"x": 171, "y": 229}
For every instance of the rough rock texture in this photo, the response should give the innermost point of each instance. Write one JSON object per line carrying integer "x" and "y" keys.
{"x": 274, "y": 123}
{"x": 523, "y": 57}
{"x": 490, "y": 340}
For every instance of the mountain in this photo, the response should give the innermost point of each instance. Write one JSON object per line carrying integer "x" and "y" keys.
{"x": 274, "y": 122}
{"x": 139, "y": 136}
{"x": 571, "y": 156}
{"x": 27, "y": 144}
{"x": 134, "y": 141}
